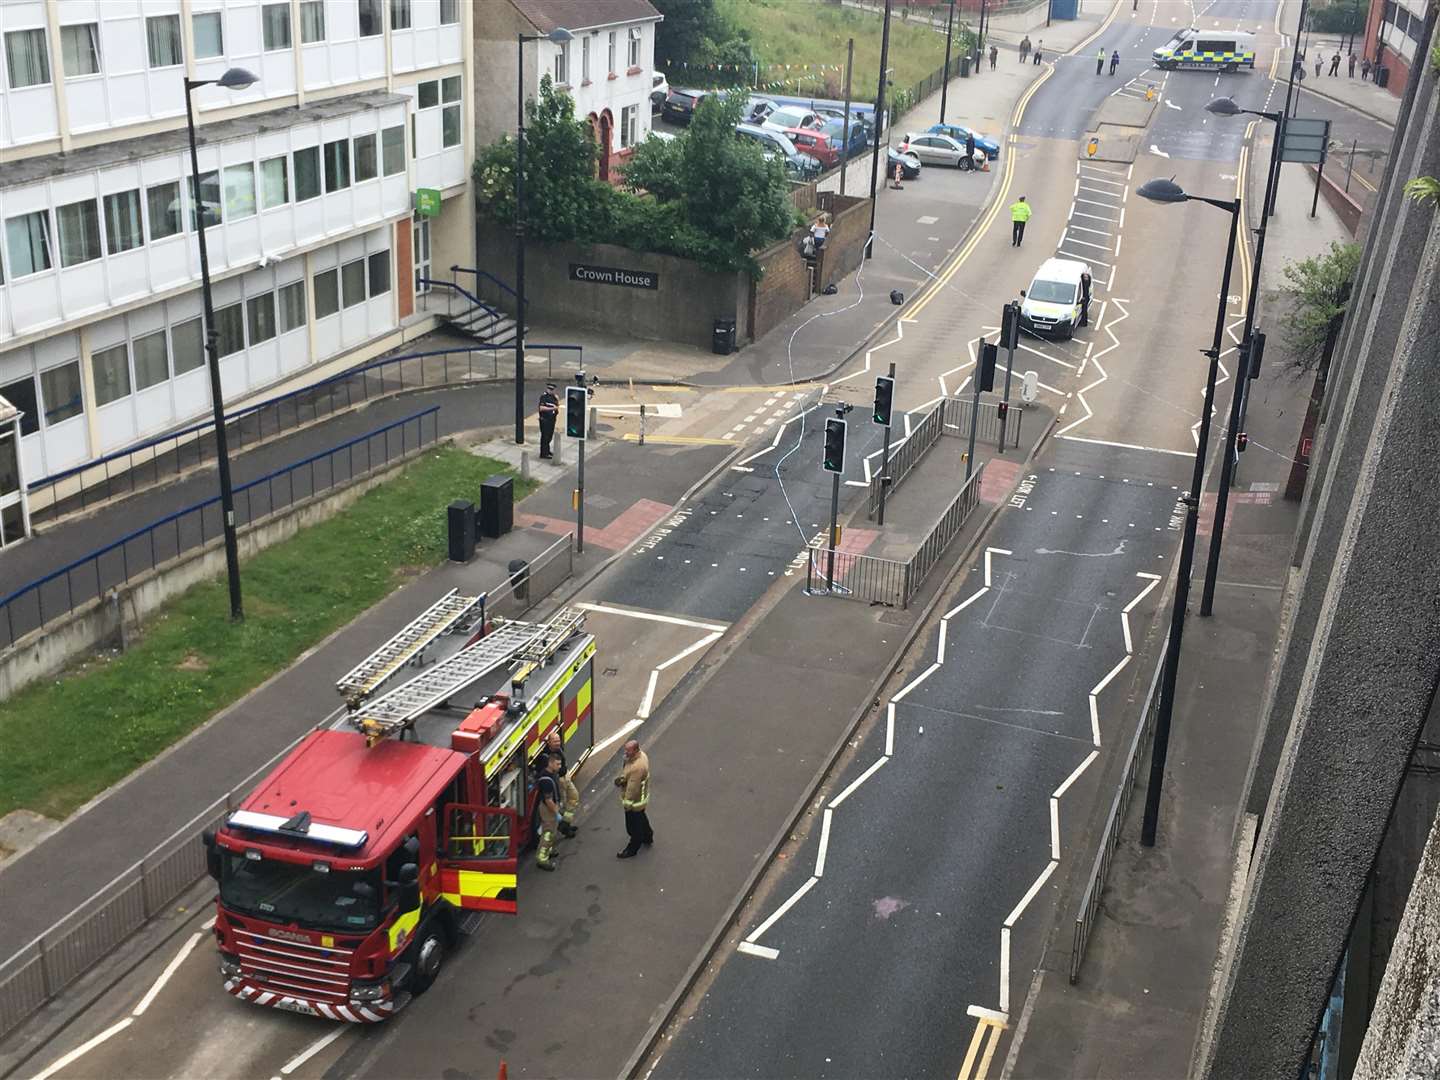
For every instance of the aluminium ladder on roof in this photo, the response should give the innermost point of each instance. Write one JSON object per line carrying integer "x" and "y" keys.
{"x": 396, "y": 710}
{"x": 445, "y": 615}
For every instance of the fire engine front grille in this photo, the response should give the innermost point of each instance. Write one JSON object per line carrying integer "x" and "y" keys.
{"x": 311, "y": 971}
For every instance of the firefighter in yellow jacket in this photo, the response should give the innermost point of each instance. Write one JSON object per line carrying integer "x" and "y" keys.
{"x": 634, "y": 785}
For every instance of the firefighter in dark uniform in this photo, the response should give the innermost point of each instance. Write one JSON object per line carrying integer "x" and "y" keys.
{"x": 549, "y": 410}
{"x": 1085, "y": 298}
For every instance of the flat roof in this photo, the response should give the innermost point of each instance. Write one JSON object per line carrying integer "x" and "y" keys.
{"x": 123, "y": 151}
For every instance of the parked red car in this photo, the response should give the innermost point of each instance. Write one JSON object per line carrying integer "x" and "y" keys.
{"x": 815, "y": 143}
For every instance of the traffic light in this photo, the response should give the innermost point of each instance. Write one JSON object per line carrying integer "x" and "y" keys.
{"x": 1010, "y": 326}
{"x": 989, "y": 354}
{"x": 1257, "y": 353}
{"x": 834, "y": 459}
{"x": 575, "y": 403}
{"x": 884, "y": 399}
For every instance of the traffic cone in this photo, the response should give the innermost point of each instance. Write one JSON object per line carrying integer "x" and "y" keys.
{"x": 504, "y": 1072}
{"x": 985, "y": 164}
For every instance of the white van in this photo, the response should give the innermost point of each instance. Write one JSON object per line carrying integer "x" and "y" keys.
{"x": 1051, "y": 306}
{"x": 1206, "y": 50}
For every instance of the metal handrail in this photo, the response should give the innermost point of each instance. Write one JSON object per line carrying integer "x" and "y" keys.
{"x": 907, "y": 455}
{"x": 1110, "y": 836}
{"x": 486, "y": 274}
{"x": 474, "y": 300}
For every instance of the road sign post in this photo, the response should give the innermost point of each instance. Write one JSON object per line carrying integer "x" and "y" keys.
{"x": 833, "y": 462}
{"x": 984, "y": 380}
{"x": 576, "y": 400}
{"x": 1009, "y": 335}
{"x": 882, "y": 414}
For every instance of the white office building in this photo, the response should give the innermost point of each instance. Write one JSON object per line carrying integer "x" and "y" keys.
{"x": 309, "y": 182}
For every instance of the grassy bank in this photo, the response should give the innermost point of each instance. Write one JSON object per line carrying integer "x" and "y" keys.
{"x": 800, "y": 32}
{"x": 65, "y": 740}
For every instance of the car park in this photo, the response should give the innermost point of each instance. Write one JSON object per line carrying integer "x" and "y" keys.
{"x": 1052, "y": 305}
{"x": 817, "y": 144}
{"x": 942, "y": 150}
{"x": 680, "y": 104}
{"x": 958, "y": 133}
{"x": 909, "y": 164}
{"x": 835, "y": 130}
{"x": 792, "y": 116}
{"x": 758, "y": 108}
{"x": 776, "y": 144}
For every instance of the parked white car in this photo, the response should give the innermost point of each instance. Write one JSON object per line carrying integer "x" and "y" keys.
{"x": 792, "y": 116}
{"x": 942, "y": 150}
{"x": 659, "y": 91}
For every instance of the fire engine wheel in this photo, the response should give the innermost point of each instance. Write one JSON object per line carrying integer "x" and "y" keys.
{"x": 1230, "y": 69}
{"x": 429, "y": 959}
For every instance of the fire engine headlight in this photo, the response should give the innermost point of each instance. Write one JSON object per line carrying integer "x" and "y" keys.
{"x": 368, "y": 991}
{"x": 229, "y": 965}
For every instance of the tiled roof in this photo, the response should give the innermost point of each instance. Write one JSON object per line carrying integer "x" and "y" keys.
{"x": 546, "y": 15}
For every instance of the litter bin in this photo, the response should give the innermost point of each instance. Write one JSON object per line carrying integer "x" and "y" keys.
{"x": 520, "y": 579}
{"x": 722, "y": 340}
{"x": 460, "y": 516}
{"x": 1382, "y": 78}
{"x": 964, "y": 67}
{"x": 497, "y": 506}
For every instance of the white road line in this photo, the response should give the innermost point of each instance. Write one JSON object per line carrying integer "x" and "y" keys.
{"x": 966, "y": 603}
{"x": 916, "y": 682}
{"x": 824, "y": 843}
{"x": 708, "y": 639}
{"x": 1092, "y": 202}
{"x": 611, "y": 740}
{"x": 988, "y": 552}
{"x": 1088, "y": 258}
{"x": 1066, "y": 238}
{"x": 1098, "y": 180}
{"x": 1086, "y": 228}
{"x": 940, "y": 648}
{"x": 836, "y": 802}
{"x": 311, "y": 1050}
{"x": 1005, "y": 969}
{"x": 83, "y": 1049}
{"x": 1127, "y": 446}
{"x": 1039, "y": 883}
{"x": 208, "y": 924}
{"x": 649, "y": 699}
{"x": 779, "y": 913}
{"x": 159, "y": 984}
{"x": 1097, "y": 217}
{"x": 650, "y": 616}
{"x": 1100, "y": 686}
{"x": 1095, "y": 720}
{"x": 889, "y": 730}
{"x": 1059, "y": 792}
{"x": 1054, "y": 828}
{"x": 762, "y": 951}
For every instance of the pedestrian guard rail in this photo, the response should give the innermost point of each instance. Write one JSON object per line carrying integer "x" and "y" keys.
{"x": 74, "y": 944}
{"x": 951, "y": 416}
{"x": 891, "y": 582}
{"x": 35, "y": 605}
{"x": 1089, "y": 908}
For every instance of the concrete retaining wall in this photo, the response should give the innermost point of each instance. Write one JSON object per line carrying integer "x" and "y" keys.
{"x": 47, "y": 650}
{"x": 1346, "y": 209}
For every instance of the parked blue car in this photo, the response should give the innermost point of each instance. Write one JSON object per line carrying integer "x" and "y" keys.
{"x": 835, "y": 129}
{"x": 956, "y": 131}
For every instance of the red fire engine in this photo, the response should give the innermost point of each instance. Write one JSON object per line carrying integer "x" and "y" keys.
{"x": 349, "y": 872}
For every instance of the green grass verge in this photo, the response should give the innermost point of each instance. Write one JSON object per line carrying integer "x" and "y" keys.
{"x": 799, "y": 32}
{"x": 65, "y": 740}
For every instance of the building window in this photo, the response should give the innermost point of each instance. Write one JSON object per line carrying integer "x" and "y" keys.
{"x": 392, "y": 150}
{"x": 635, "y": 33}
{"x": 229, "y": 330}
{"x": 162, "y": 36}
{"x": 449, "y": 12}
{"x": 399, "y": 14}
{"x": 352, "y": 282}
{"x": 122, "y": 222}
{"x": 22, "y": 395}
{"x": 371, "y": 18}
{"x": 209, "y": 199}
{"x": 274, "y": 183}
{"x": 60, "y": 391}
{"x": 366, "y": 167}
{"x": 629, "y": 125}
{"x": 562, "y": 64}
{"x": 260, "y": 311}
{"x": 162, "y": 203}
{"x": 27, "y": 58}
{"x": 187, "y": 345}
{"x": 312, "y": 21}
{"x": 239, "y": 191}
{"x": 111, "y": 369}
{"x": 585, "y": 58}
{"x": 27, "y": 239}
{"x": 80, "y": 50}
{"x": 209, "y": 35}
{"x": 275, "y": 22}
{"x": 610, "y": 53}
{"x": 450, "y": 126}
{"x": 307, "y": 173}
{"x": 79, "y": 225}
{"x": 292, "y": 306}
{"x": 429, "y": 94}
{"x": 450, "y": 89}
{"x": 151, "y": 363}
{"x": 337, "y": 165}
{"x": 327, "y": 293}
{"x": 379, "y": 274}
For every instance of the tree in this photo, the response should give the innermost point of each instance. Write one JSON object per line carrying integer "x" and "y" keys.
{"x": 561, "y": 192}
{"x": 1319, "y": 287}
{"x": 654, "y": 167}
{"x": 687, "y": 24}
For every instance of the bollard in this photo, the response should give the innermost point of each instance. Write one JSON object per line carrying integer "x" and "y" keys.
{"x": 556, "y": 448}
{"x": 642, "y": 423}
{"x": 524, "y": 464}
{"x": 594, "y": 417}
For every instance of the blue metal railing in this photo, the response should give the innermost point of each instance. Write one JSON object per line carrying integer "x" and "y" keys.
{"x": 60, "y": 592}
{"x": 463, "y": 292}
{"x": 486, "y": 275}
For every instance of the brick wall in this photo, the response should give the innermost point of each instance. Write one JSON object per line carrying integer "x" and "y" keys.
{"x": 783, "y": 288}
{"x": 849, "y": 228}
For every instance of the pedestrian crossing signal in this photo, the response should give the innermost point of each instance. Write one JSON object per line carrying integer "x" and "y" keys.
{"x": 575, "y": 403}
{"x": 989, "y": 354}
{"x": 884, "y": 399}
{"x": 834, "y": 459}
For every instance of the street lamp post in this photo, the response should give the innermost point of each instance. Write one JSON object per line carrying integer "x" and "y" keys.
{"x": 879, "y": 120}
{"x": 558, "y": 36}
{"x": 1227, "y": 107}
{"x": 1167, "y": 191}
{"x": 945, "y": 82}
{"x": 234, "y": 79}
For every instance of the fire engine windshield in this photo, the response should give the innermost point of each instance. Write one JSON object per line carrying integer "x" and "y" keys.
{"x": 292, "y": 892}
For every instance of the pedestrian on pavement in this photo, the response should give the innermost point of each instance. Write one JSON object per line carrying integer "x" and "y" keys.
{"x": 569, "y": 794}
{"x": 1019, "y": 215}
{"x": 549, "y": 410}
{"x": 994, "y": 56}
{"x": 1319, "y": 65}
{"x": 1335, "y": 65}
{"x": 1350, "y": 65}
{"x": 1114, "y": 61}
{"x": 970, "y": 148}
{"x": 1085, "y": 298}
{"x": 1037, "y": 50}
{"x": 1364, "y": 68}
{"x": 1024, "y": 48}
{"x": 1100, "y": 62}
{"x": 634, "y": 785}
{"x": 547, "y": 805}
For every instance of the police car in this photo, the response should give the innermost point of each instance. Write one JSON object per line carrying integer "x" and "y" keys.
{"x": 1202, "y": 50}
{"x": 1051, "y": 306}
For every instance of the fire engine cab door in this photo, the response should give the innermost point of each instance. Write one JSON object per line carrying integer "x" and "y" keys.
{"x": 477, "y": 868}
